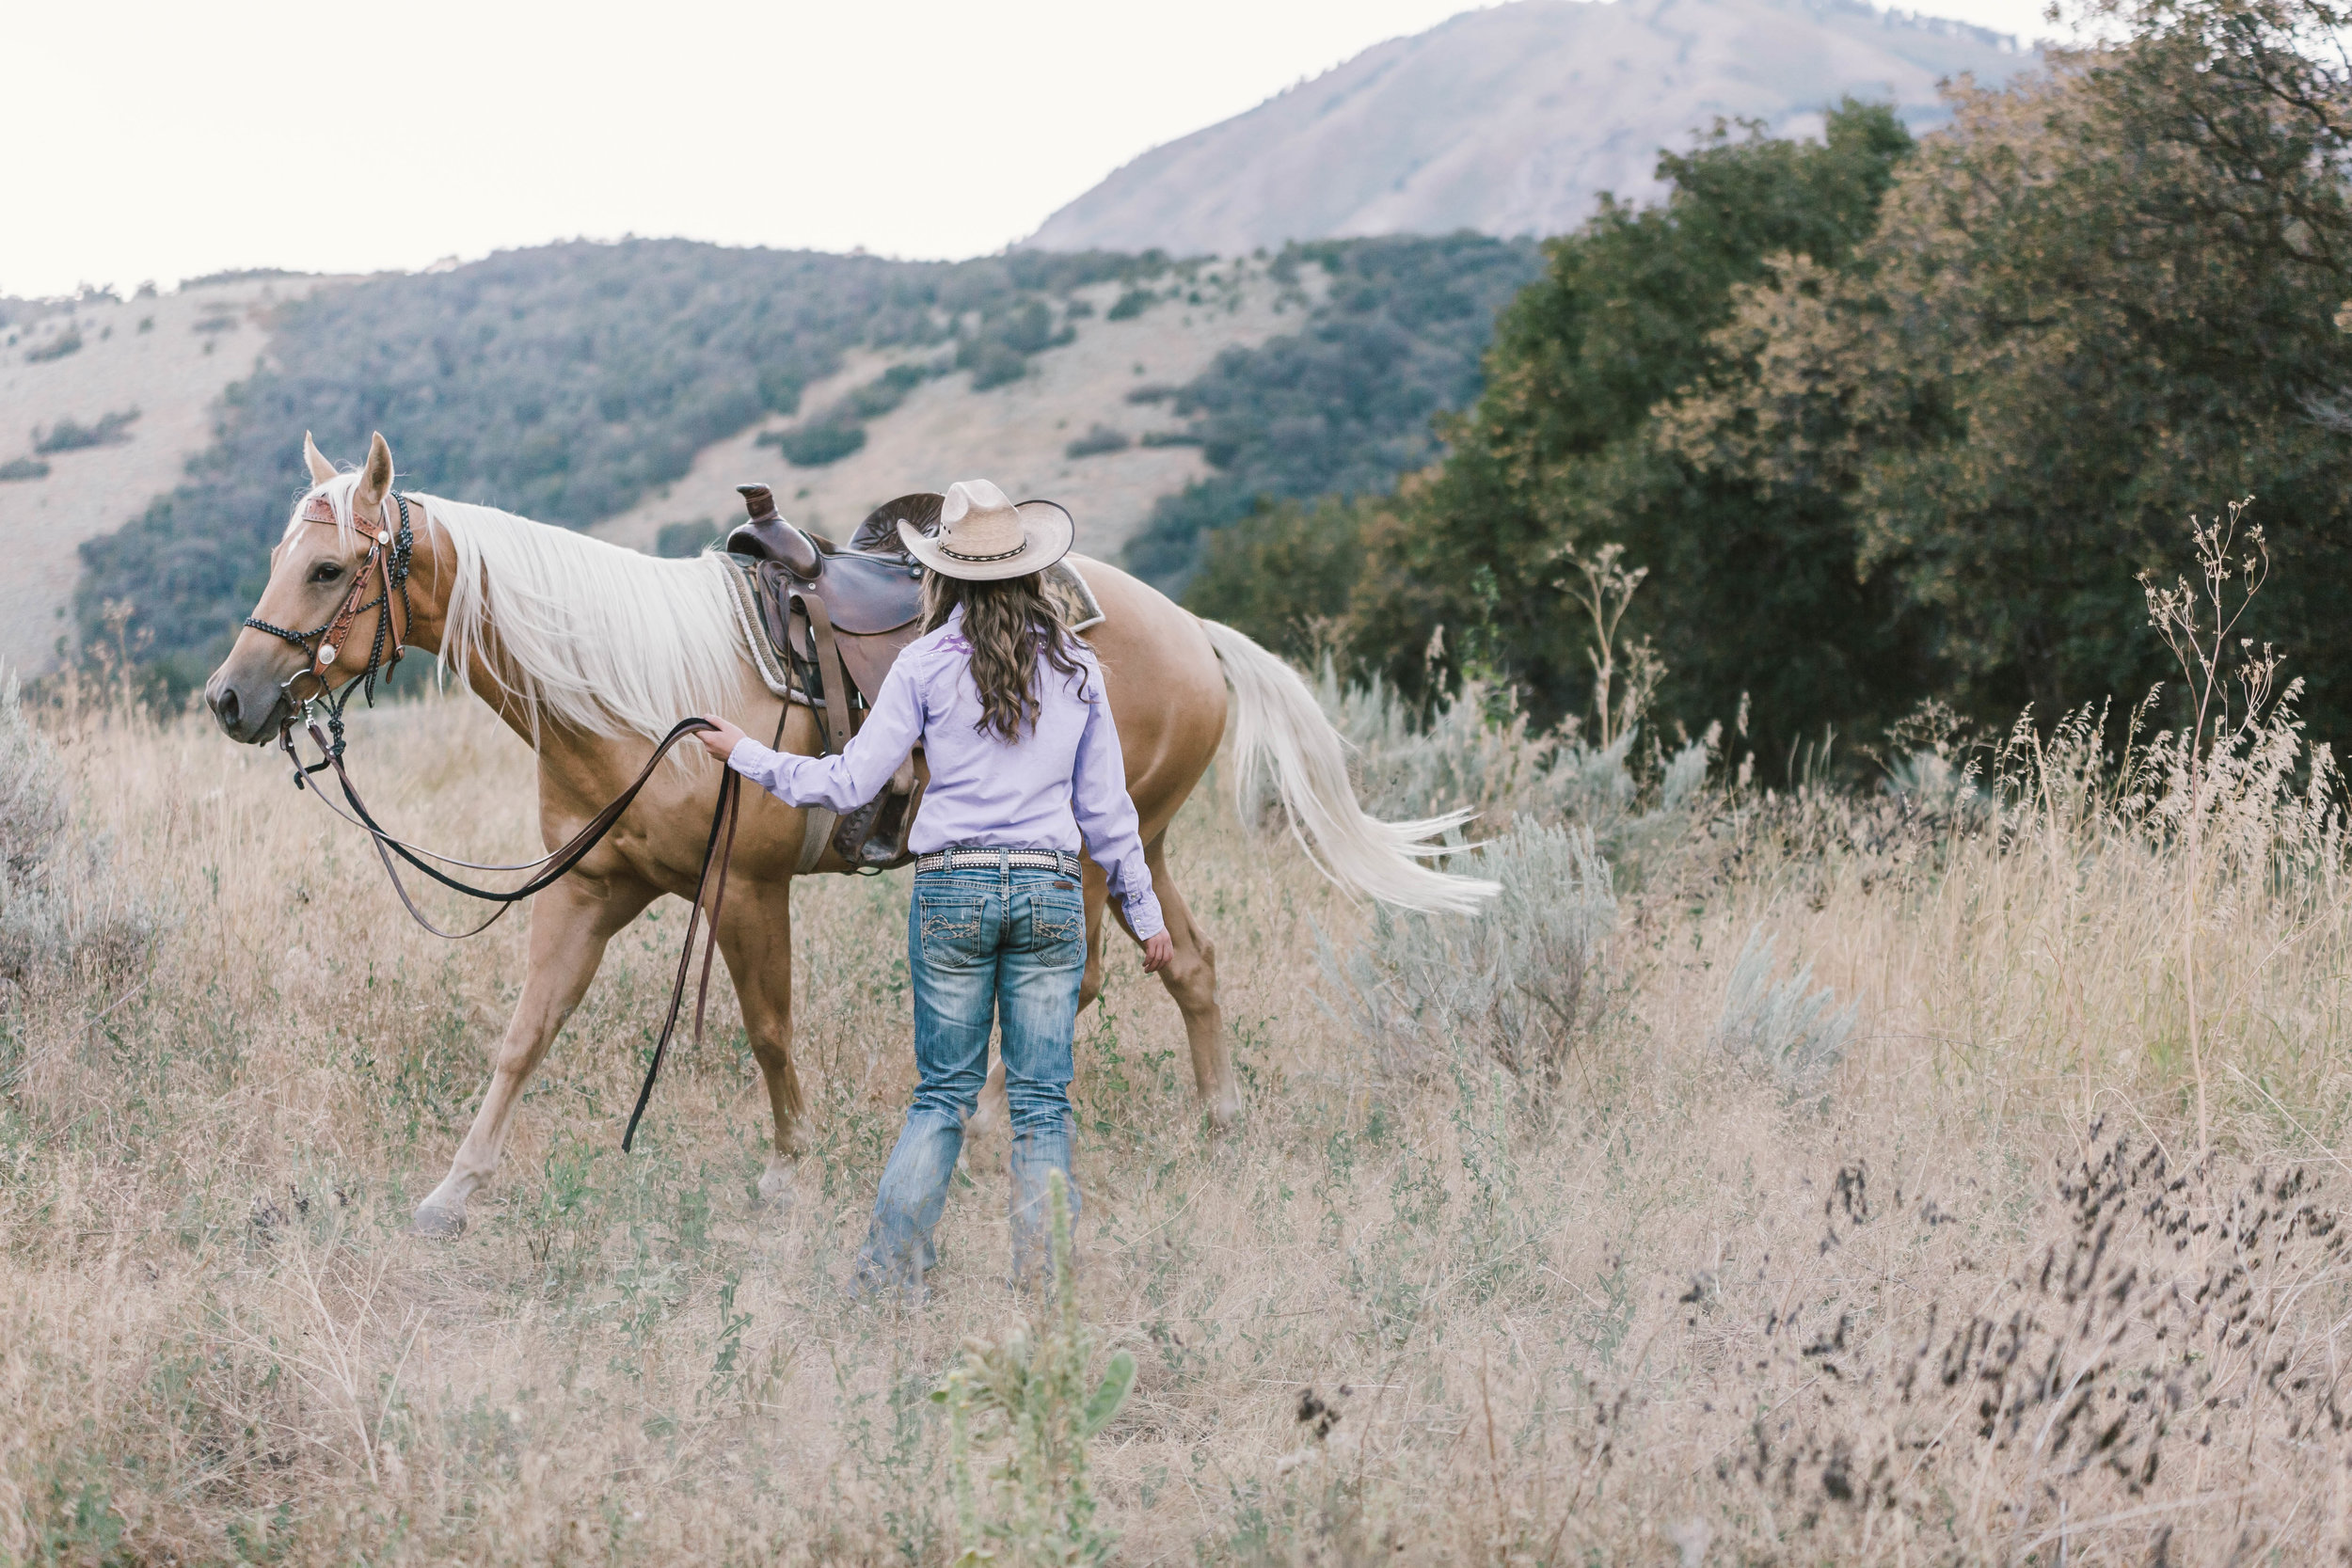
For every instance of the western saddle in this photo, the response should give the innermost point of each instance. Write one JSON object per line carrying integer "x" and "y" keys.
{"x": 835, "y": 620}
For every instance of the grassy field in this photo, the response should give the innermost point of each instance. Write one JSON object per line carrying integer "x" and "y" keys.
{"x": 1681, "y": 1263}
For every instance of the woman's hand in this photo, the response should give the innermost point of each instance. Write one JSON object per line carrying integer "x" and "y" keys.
{"x": 719, "y": 739}
{"x": 1157, "y": 949}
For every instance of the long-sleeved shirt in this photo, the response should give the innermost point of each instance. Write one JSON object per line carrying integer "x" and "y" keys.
{"x": 1063, "y": 779}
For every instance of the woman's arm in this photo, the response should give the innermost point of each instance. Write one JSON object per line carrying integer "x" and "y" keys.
{"x": 1098, "y": 798}
{"x": 842, "y": 782}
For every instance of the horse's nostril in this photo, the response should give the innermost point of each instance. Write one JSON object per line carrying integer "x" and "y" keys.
{"x": 225, "y": 707}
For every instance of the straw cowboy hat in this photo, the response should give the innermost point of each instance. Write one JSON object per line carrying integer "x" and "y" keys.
{"x": 982, "y": 537}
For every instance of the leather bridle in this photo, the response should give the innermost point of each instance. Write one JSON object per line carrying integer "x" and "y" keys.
{"x": 327, "y": 645}
{"x": 387, "y": 564}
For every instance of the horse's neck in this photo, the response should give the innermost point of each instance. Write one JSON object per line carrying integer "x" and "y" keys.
{"x": 492, "y": 677}
{"x": 431, "y": 576}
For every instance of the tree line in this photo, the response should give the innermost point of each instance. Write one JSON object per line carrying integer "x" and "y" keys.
{"x": 1885, "y": 419}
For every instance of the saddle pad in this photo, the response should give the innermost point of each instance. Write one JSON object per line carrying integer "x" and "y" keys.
{"x": 1081, "y": 610}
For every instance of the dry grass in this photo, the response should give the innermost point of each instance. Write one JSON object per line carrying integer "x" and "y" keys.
{"x": 1973, "y": 1299}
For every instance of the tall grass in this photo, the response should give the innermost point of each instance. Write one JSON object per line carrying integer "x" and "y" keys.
{"x": 1975, "y": 1295}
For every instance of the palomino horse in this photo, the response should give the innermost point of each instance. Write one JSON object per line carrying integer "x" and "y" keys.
{"x": 590, "y": 652}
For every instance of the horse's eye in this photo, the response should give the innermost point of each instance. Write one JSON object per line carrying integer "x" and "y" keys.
{"x": 326, "y": 571}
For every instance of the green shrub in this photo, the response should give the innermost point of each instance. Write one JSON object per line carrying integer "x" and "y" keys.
{"x": 881, "y": 394}
{"x": 1134, "y": 303}
{"x": 68, "y": 341}
{"x": 992, "y": 365}
{"x": 24, "y": 468}
{"x": 780, "y": 391}
{"x": 1787, "y": 1030}
{"x": 1027, "y": 328}
{"x": 1029, "y": 1393}
{"x": 1097, "y": 440}
{"x": 813, "y": 446}
{"x": 68, "y": 436}
{"x": 1516, "y": 984}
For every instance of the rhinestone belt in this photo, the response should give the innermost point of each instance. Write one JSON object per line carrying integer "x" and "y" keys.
{"x": 1063, "y": 861}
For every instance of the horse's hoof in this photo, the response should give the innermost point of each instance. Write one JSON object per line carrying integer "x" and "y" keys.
{"x": 440, "y": 1224}
{"x": 1224, "y": 1112}
{"x": 775, "y": 1190}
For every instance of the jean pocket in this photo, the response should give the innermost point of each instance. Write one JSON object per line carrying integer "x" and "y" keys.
{"x": 1056, "y": 922}
{"x": 950, "y": 928}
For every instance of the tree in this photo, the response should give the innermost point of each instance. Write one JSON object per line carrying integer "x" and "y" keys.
{"x": 1748, "y": 591}
{"x": 2105, "y": 300}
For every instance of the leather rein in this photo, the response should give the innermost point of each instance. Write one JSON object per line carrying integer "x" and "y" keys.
{"x": 387, "y": 562}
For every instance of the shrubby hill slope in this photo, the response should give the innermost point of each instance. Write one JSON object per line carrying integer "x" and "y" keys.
{"x": 1094, "y": 424}
{"x": 1510, "y": 120}
{"x": 102, "y": 401}
{"x": 561, "y": 382}
{"x": 627, "y": 386}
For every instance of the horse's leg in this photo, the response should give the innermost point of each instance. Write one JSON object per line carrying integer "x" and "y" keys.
{"x": 570, "y": 923}
{"x": 1190, "y": 977}
{"x": 756, "y": 938}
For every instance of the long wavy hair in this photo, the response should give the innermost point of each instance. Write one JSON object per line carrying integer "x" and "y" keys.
{"x": 1016, "y": 635}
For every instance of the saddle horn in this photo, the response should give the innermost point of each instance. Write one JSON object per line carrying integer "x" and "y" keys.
{"x": 768, "y": 537}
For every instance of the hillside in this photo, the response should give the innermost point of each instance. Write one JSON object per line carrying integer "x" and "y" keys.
{"x": 168, "y": 359}
{"x": 1017, "y": 432}
{"x": 562, "y": 382}
{"x": 627, "y": 388}
{"x": 1510, "y": 120}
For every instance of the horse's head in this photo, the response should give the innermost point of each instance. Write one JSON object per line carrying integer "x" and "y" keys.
{"x": 288, "y": 649}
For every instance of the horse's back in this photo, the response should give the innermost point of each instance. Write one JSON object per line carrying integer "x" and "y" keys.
{"x": 1166, "y": 688}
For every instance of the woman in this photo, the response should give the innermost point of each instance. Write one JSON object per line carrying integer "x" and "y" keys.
{"x": 1024, "y": 761}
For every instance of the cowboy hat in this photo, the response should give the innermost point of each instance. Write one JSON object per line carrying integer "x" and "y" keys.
{"x": 982, "y": 537}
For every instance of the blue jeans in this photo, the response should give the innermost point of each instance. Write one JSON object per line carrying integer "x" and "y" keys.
{"x": 985, "y": 946}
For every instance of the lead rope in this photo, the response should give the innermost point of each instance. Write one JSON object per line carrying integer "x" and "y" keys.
{"x": 730, "y": 797}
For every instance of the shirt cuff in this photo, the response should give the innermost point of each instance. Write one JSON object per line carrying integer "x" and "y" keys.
{"x": 748, "y": 755}
{"x": 1144, "y": 917}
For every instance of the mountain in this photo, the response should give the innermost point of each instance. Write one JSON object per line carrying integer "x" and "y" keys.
{"x": 1510, "y": 120}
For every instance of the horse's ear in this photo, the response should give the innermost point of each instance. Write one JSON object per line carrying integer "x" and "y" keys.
{"x": 376, "y": 481}
{"x": 321, "y": 469}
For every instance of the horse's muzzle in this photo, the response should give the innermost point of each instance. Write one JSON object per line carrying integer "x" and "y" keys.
{"x": 246, "y": 712}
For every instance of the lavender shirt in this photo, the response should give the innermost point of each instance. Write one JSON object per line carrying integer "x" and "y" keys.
{"x": 1064, "y": 778}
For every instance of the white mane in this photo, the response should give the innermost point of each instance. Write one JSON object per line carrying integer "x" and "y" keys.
{"x": 594, "y": 636}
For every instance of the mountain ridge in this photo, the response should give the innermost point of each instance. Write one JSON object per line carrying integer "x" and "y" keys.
{"x": 1510, "y": 120}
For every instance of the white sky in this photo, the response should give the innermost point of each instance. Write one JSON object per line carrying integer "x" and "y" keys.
{"x": 165, "y": 140}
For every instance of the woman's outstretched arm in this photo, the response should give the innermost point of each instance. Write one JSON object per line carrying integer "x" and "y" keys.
{"x": 842, "y": 782}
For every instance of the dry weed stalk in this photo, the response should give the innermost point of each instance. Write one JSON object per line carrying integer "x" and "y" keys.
{"x": 2198, "y": 624}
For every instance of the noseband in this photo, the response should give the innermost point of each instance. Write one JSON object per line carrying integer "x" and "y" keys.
{"x": 387, "y": 564}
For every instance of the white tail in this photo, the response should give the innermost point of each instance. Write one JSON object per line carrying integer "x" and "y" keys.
{"x": 1278, "y": 725}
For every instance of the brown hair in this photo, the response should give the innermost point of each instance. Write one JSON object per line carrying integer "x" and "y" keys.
{"x": 1015, "y": 632}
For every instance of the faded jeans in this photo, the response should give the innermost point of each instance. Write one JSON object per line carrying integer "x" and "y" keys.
{"x": 986, "y": 946}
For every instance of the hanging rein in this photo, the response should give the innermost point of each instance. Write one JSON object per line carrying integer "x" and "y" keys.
{"x": 327, "y": 645}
